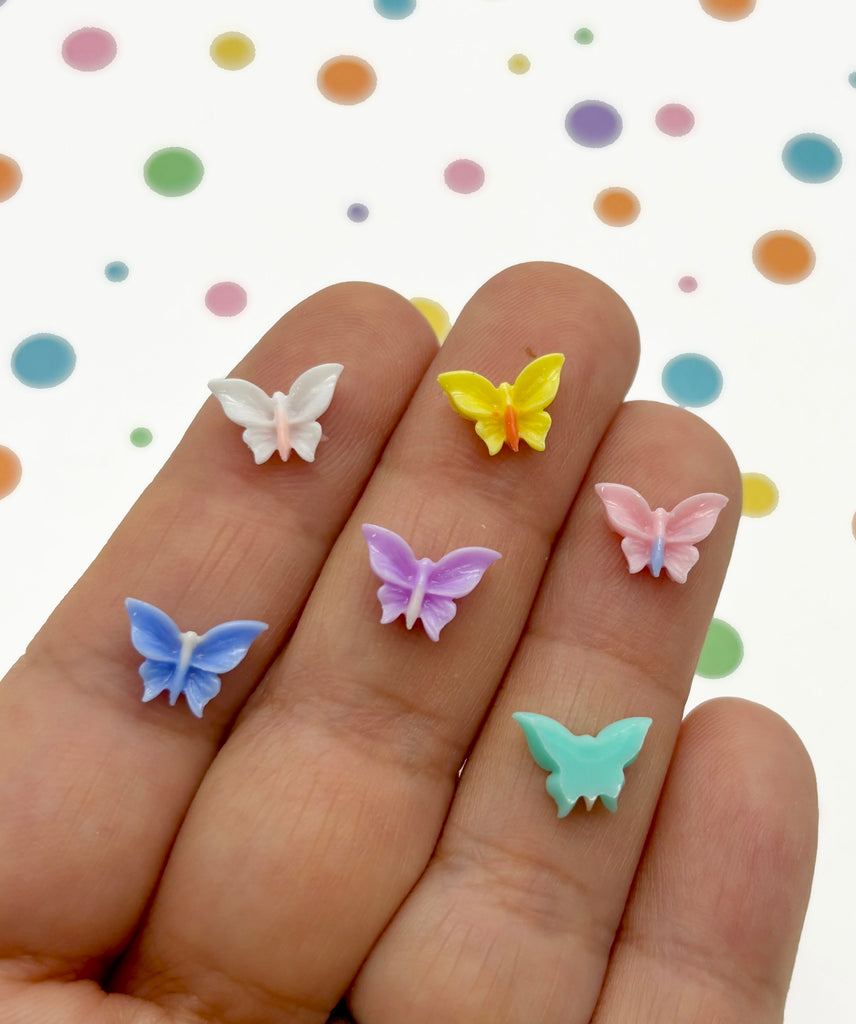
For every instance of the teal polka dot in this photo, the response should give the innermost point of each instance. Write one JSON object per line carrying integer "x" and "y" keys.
{"x": 692, "y": 380}
{"x": 812, "y": 158}
{"x": 116, "y": 271}
{"x": 43, "y": 360}
{"x": 395, "y": 9}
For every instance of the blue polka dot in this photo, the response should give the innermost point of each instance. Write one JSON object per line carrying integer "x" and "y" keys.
{"x": 851, "y": 78}
{"x": 43, "y": 360}
{"x": 357, "y": 212}
{"x": 692, "y": 380}
{"x": 116, "y": 271}
{"x": 395, "y": 9}
{"x": 812, "y": 158}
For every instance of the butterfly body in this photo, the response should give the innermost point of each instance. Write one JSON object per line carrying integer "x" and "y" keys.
{"x": 508, "y": 413}
{"x": 420, "y": 588}
{"x": 185, "y": 662}
{"x": 656, "y": 537}
{"x": 583, "y": 767}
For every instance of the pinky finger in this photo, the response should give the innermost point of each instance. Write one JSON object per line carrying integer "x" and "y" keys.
{"x": 712, "y": 925}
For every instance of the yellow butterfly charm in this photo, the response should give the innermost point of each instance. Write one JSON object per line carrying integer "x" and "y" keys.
{"x": 511, "y": 412}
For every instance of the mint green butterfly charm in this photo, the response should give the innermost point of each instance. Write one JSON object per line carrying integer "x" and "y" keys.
{"x": 583, "y": 766}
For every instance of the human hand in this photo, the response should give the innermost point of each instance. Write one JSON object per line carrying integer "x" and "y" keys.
{"x": 310, "y": 835}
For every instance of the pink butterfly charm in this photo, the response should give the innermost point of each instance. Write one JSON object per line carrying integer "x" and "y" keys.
{"x": 658, "y": 538}
{"x": 420, "y": 588}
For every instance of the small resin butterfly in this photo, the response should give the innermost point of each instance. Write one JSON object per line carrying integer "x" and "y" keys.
{"x": 583, "y": 766}
{"x": 512, "y": 412}
{"x": 280, "y": 423}
{"x": 185, "y": 662}
{"x": 658, "y": 538}
{"x": 420, "y": 588}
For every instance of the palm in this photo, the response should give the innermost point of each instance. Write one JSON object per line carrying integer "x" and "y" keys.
{"x": 310, "y": 837}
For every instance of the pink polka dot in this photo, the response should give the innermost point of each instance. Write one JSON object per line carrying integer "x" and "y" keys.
{"x": 89, "y": 49}
{"x": 464, "y": 176}
{"x": 226, "y": 299}
{"x": 688, "y": 284}
{"x": 674, "y": 119}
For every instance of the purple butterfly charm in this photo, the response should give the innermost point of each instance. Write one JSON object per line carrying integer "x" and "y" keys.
{"x": 418, "y": 588}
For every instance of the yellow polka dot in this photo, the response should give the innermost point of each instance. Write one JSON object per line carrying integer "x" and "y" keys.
{"x": 760, "y": 495}
{"x": 232, "y": 51}
{"x": 435, "y": 315}
{"x": 519, "y": 64}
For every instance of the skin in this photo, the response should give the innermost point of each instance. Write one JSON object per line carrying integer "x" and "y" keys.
{"x": 309, "y": 839}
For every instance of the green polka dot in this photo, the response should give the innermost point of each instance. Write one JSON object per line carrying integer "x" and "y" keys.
{"x": 583, "y": 36}
{"x": 140, "y": 437}
{"x": 722, "y": 651}
{"x": 173, "y": 172}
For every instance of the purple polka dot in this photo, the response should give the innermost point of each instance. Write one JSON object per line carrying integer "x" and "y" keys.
{"x": 358, "y": 212}
{"x": 226, "y": 299}
{"x": 89, "y": 49}
{"x": 593, "y": 123}
{"x": 674, "y": 119}
{"x": 464, "y": 176}
{"x": 688, "y": 284}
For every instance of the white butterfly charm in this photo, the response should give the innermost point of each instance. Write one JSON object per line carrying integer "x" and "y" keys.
{"x": 280, "y": 423}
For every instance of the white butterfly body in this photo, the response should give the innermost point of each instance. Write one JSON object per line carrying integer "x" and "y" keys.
{"x": 279, "y": 422}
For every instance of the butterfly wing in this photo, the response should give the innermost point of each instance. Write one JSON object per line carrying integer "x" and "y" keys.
{"x": 459, "y": 572}
{"x": 689, "y": 522}
{"x": 225, "y": 646}
{"x": 553, "y": 748}
{"x": 199, "y": 688}
{"x": 392, "y": 560}
{"x": 629, "y": 514}
{"x": 158, "y": 676}
{"x": 312, "y": 392}
{"x": 475, "y": 398}
{"x": 248, "y": 406}
{"x": 618, "y": 745}
{"x": 436, "y": 612}
{"x": 158, "y": 639}
{"x": 535, "y": 388}
{"x": 304, "y": 438}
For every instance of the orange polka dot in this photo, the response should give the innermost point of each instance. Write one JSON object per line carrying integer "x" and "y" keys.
{"x": 783, "y": 257}
{"x": 347, "y": 80}
{"x": 728, "y": 10}
{"x": 10, "y": 177}
{"x": 10, "y": 471}
{"x": 617, "y": 206}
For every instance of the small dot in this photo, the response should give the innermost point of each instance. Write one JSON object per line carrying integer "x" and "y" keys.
{"x": 519, "y": 63}
{"x": 435, "y": 314}
{"x": 346, "y": 80}
{"x": 226, "y": 299}
{"x": 760, "y": 495}
{"x": 10, "y": 177}
{"x": 688, "y": 284}
{"x": 593, "y": 124}
{"x": 617, "y": 207}
{"x": 583, "y": 36}
{"x": 674, "y": 119}
{"x": 811, "y": 158}
{"x": 173, "y": 172}
{"x": 357, "y": 212}
{"x": 116, "y": 271}
{"x": 89, "y": 49}
{"x": 10, "y": 471}
{"x": 692, "y": 380}
{"x": 783, "y": 257}
{"x": 728, "y": 10}
{"x": 722, "y": 651}
{"x": 464, "y": 176}
{"x": 141, "y": 437}
{"x": 232, "y": 51}
{"x": 395, "y": 9}
{"x": 43, "y": 360}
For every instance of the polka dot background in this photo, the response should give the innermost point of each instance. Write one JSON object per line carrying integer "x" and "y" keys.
{"x": 174, "y": 181}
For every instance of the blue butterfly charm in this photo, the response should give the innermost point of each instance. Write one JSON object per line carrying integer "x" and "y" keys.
{"x": 185, "y": 662}
{"x": 583, "y": 766}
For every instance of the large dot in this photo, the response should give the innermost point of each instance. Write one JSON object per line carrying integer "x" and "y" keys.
{"x": 173, "y": 172}
{"x": 692, "y": 380}
{"x": 10, "y": 471}
{"x": 435, "y": 314}
{"x": 226, "y": 299}
{"x": 760, "y": 495}
{"x": 617, "y": 207}
{"x": 89, "y": 49}
{"x": 395, "y": 9}
{"x": 140, "y": 437}
{"x": 116, "y": 271}
{"x": 728, "y": 10}
{"x": 722, "y": 651}
{"x": 43, "y": 360}
{"x": 346, "y": 80}
{"x": 783, "y": 257}
{"x": 812, "y": 158}
{"x": 10, "y": 177}
{"x": 464, "y": 176}
{"x": 593, "y": 123}
{"x": 674, "y": 119}
{"x": 232, "y": 51}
